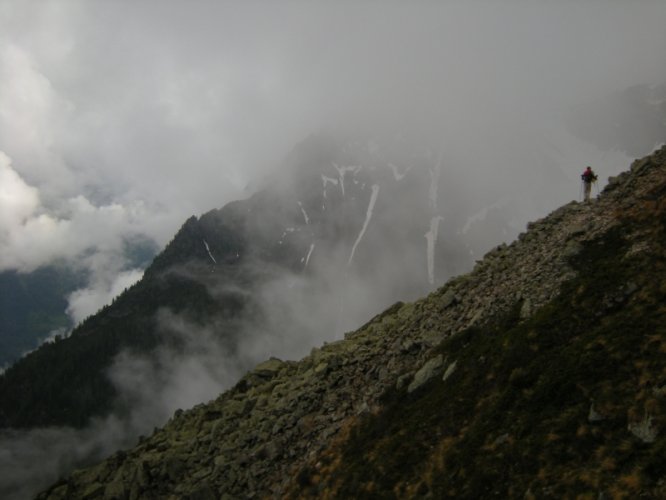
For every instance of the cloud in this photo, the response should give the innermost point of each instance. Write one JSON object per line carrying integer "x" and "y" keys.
{"x": 180, "y": 107}
{"x": 192, "y": 366}
{"x": 31, "y": 112}
{"x": 32, "y": 236}
{"x": 86, "y": 302}
{"x": 18, "y": 200}
{"x": 34, "y": 459}
{"x": 24, "y": 231}
{"x": 87, "y": 237}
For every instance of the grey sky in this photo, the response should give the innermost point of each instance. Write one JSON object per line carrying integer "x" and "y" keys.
{"x": 124, "y": 118}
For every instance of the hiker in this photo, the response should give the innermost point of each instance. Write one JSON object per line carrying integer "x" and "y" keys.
{"x": 588, "y": 178}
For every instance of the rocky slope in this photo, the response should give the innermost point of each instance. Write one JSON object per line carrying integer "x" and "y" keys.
{"x": 540, "y": 374}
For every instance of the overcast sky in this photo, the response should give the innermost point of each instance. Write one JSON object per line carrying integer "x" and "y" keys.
{"x": 123, "y": 118}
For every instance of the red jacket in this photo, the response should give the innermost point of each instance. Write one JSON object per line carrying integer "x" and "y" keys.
{"x": 588, "y": 176}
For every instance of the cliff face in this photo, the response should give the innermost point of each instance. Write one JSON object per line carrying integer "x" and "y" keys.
{"x": 539, "y": 374}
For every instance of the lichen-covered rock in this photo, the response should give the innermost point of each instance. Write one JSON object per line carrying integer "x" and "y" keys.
{"x": 645, "y": 430}
{"x": 269, "y": 368}
{"x": 451, "y": 367}
{"x": 432, "y": 368}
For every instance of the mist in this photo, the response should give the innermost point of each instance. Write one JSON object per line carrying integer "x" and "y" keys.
{"x": 162, "y": 110}
{"x": 194, "y": 364}
{"x": 136, "y": 117}
{"x": 192, "y": 367}
{"x": 118, "y": 121}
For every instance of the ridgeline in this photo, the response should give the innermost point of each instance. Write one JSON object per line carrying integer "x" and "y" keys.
{"x": 540, "y": 374}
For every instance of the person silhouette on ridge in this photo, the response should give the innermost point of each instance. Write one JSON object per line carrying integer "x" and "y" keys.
{"x": 588, "y": 177}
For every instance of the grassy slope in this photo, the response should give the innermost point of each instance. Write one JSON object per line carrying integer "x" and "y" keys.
{"x": 513, "y": 419}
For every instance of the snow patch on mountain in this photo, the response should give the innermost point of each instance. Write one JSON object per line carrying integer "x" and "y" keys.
{"x": 341, "y": 174}
{"x": 209, "y": 252}
{"x": 307, "y": 257}
{"x": 368, "y": 216}
{"x": 305, "y": 215}
{"x": 398, "y": 175}
{"x": 326, "y": 180}
{"x": 431, "y": 238}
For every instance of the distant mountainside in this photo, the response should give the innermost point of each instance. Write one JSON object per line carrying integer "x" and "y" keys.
{"x": 32, "y": 306}
{"x": 540, "y": 374}
{"x": 343, "y": 228}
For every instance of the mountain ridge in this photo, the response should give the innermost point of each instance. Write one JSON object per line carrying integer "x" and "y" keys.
{"x": 315, "y": 250}
{"x": 289, "y": 428}
{"x": 214, "y": 268}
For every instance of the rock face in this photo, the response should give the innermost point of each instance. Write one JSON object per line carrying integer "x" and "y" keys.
{"x": 317, "y": 427}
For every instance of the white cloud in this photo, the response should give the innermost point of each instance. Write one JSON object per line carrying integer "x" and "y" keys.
{"x": 31, "y": 113}
{"x": 90, "y": 238}
{"x": 104, "y": 288}
{"x": 31, "y": 237}
{"x": 178, "y": 106}
{"x": 23, "y": 230}
{"x": 18, "y": 201}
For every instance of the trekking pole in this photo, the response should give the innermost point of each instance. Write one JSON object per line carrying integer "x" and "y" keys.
{"x": 580, "y": 191}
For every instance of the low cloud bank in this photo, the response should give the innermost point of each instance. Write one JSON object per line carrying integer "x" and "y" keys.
{"x": 86, "y": 302}
{"x": 89, "y": 238}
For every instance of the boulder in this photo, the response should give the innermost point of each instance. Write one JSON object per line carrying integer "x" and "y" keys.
{"x": 432, "y": 368}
